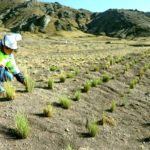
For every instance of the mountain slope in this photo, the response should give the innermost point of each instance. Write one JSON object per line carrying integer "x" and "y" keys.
{"x": 33, "y": 16}
{"x": 120, "y": 23}
{"x": 45, "y": 17}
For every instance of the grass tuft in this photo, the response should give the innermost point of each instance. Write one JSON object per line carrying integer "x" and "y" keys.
{"x": 29, "y": 83}
{"x": 10, "y": 90}
{"x": 92, "y": 128}
{"x": 65, "y": 102}
{"x": 48, "y": 111}
{"x": 77, "y": 95}
{"x": 113, "y": 106}
{"x": 22, "y": 126}
{"x": 87, "y": 86}
{"x": 50, "y": 83}
{"x": 106, "y": 77}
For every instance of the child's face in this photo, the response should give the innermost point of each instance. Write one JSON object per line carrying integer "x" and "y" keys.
{"x": 7, "y": 50}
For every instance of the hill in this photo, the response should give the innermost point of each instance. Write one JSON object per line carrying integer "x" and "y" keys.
{"x": 44, "y": 17}
{"x": 120, "y": 23}
{"x": 33, "y": 16}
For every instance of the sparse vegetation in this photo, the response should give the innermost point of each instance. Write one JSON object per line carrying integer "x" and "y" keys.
{"x": 67, "y": 125}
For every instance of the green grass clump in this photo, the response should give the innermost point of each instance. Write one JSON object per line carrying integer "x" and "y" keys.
{"x": 69, "y": 147}
{"x": 113, "y": 106}
{"x": 106, "y": 77}
{"x": 77, "y": 95}
{"x": 92, "y": 128}
{"x": 70, "y": 74}
{"x": 62, "y": 77}
{"x": 141, "y": 73}
{"x": 22, "y": 126}
{"x": 87, "y": 86}
{"x": 95, "y": 82}
{"x": 133, "y": 83}
{"x": 10, "y": 90}
{"x": 48, "y": 111}
{"x": 104, "y": 118}
{"x": 95, "y": 68}
{"x": 107, "y": 65}
{"x": 127, "y": 67}
{"x": 50, "y": 83}
{"x": 29, "y": 83}
{"x": 65, "y": 102}
{"x": 54, "y": 68}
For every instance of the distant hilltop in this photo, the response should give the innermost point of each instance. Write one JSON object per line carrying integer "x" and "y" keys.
{"x": 33, "y": 16}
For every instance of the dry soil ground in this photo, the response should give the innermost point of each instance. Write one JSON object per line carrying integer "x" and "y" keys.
{"x": 129, "y": 128}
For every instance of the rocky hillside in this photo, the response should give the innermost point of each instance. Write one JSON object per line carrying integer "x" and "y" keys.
{"x": 33, "y": 16}
{"x": 44, "y": 17}
{"x": 120, "y": 23}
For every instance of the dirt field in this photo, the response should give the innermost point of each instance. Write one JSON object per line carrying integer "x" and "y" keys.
{"x": 129, "y": 126}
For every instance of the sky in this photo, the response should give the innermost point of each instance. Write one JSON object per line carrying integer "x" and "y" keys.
{"x": 102, "y": 5}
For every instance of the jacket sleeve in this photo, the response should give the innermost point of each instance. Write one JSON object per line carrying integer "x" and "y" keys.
{"x": 20, "y": 77}
{"x": 13, "y": 68}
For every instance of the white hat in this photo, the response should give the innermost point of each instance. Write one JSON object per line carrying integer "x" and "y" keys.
{"x": 10, "y": 40}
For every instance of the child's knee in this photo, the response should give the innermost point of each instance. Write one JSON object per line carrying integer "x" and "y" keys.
{"x": 8, "y": 76}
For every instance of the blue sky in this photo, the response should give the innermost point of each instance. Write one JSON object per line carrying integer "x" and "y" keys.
{"x": 102, "y": 5}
